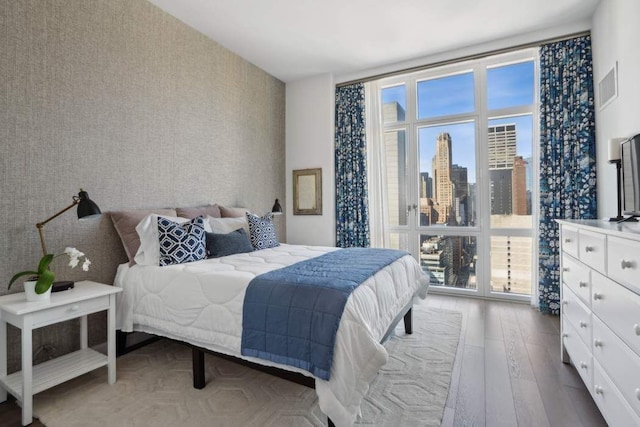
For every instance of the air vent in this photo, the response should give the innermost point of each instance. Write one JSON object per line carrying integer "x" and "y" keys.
{"x": 608, "y": 87}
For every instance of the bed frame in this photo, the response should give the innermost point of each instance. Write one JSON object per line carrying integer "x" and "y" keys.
{"x": 197, "y": 354}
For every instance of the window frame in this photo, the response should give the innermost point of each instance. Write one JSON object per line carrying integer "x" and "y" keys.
{"x": 482, "y": 230}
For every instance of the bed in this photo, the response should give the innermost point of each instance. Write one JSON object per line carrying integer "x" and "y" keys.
{"x": 201, "y": 303}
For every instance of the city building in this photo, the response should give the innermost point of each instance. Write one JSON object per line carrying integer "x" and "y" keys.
{"x": 519, "y": 187}
{"x": 443, "y": 185}
{"x": 396, "y": 167}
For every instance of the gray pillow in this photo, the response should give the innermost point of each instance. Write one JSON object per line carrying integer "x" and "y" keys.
{"x": 125, "y": 223}
{"x": 211, "y": 210}
{"x": 236, "y": 242}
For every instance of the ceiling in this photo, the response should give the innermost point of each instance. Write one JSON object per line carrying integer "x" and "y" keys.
{"x": 293, "y": 39}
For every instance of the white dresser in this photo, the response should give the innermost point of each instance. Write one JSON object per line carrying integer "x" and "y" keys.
{"x": 600, "y": 314}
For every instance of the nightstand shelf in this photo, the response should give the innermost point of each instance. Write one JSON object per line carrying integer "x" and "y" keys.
{"x": 56, "y": 371}
{"x": 84, "y": 299}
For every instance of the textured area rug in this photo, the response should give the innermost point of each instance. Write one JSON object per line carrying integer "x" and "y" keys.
{"x": 154, "y": 387}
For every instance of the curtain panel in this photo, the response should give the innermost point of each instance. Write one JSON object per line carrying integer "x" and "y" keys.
{"x": 352, "y": 210}
{"x": 567, "y": 153}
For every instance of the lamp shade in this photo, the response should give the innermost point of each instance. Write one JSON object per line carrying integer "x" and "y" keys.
{"x": 276, "y": 207}
{"x": 86, "y": 207}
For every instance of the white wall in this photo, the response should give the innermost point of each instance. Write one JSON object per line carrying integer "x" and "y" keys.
{"x": 310, "y": 105}
{"x": 615, "y": 37}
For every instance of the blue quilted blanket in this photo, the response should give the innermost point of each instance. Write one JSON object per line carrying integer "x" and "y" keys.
{"x": 291, "y": 315}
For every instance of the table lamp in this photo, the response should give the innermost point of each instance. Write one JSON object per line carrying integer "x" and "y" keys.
{"x": 276, "y": 209}
{"x": 86, "y": 209}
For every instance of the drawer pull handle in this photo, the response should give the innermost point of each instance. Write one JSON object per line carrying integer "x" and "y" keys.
{"x": 565, "y": 269}
{"x": 583, "y": 284}
{"x": 75, "y": 307}
{"x": 588, "y": 248}
{"x": 598, "y": 390}
{"x": 565, "y": 335}
{"x": 597, "y": 296}
{"x": 638, "y": 393}
{"x": 583, "y": 365}
{"x": 565, "y": 302}
{"x": 636, "y": 328}
{"x": 583, "y": 324}
{"x": 567, "y": 240}
{"x": 597, "y": 343}
{"x": 626, "y": 264}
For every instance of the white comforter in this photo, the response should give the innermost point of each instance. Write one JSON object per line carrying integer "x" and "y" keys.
{"x": 201, "y": 303}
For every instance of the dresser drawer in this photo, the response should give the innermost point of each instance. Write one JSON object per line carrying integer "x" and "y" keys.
{"x": 623, "y": 261}
{"x": 592, "y": 249}
{"x": 618, "y": 307}
{"x": 578, "y": 314}
{"x": 578, "y": 352}
{"x": 577, "y": 277}
{"x": 70, "y": 311}
{"x": 614, "y": 408}
{"x": 569, "y": 240}
{"x": 620, "y": 363}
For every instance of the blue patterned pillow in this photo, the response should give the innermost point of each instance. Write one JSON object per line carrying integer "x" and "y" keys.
{"x": 180, "y": 243}
{"x": 262, "y": 232}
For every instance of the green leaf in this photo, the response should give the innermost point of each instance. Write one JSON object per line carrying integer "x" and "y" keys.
{"x": 18, "y": 275}
{"x": 44, "y": 263}
{"x": 44, "y": 281}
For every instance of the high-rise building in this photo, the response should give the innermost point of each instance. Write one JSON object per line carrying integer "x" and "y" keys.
{"x": 471, "y": 203}
{"x": 460, "y": 181}
{"x": 395, "y": 166}
{"x": 501, "y": 153}
{"x": 426, "y": 185}
{"x": 500, "y": 191}
{"x": 529, "y": 181}
{"x": 519, "y": 186}
{"x": 461, "y": 193}
{"x": 443, "y": 186}
{"x": 392, "y": 112}
{"x": 502, "y": 146}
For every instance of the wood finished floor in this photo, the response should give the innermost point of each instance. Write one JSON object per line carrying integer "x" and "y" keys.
{"x": 507, "y": 371}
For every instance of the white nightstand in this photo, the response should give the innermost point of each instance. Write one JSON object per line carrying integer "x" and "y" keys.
{"x": 85, "y": 298}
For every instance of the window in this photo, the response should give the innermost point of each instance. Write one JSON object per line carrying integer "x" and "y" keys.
{"x": 458, "y": 172}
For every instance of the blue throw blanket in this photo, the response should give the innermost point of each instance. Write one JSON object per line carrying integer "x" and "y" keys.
{"x": 291, "y": 315}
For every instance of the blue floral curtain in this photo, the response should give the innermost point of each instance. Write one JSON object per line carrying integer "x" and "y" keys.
{"x": 567, "y": 152}
{"x": 352, "y": 211}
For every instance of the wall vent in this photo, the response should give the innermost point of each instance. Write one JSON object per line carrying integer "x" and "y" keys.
{"x": 608, "y": 87}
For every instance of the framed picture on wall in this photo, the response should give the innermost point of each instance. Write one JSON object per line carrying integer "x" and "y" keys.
{"x": 307, "y": 191}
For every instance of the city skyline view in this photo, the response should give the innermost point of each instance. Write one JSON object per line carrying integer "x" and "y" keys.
{"x": 507, "y": 86}
{"x": 447, "y": 157}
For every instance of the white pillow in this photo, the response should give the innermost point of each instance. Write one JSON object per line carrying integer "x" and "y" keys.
{"x": 149, "y": 250}
{"x": 226, "y": 225}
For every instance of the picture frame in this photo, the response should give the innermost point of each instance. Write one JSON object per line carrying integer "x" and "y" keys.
{"x": 307, "y": 191}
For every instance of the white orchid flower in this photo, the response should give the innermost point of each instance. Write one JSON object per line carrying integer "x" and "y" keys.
{"x": 86, "y": 264}
{"x": 73, "y": 252}
{"x": 73, "y": 262}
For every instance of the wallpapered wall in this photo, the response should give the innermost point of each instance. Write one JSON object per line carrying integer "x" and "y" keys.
{"x": 125, "y": 101}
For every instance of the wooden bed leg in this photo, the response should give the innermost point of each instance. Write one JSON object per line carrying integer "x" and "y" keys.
{"x": 197, "y": 356}
{"x": 408, "y": 326}
{"x": 330, "y": 423}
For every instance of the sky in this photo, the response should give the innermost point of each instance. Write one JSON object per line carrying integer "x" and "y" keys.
{"x": 507, "y": 86}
